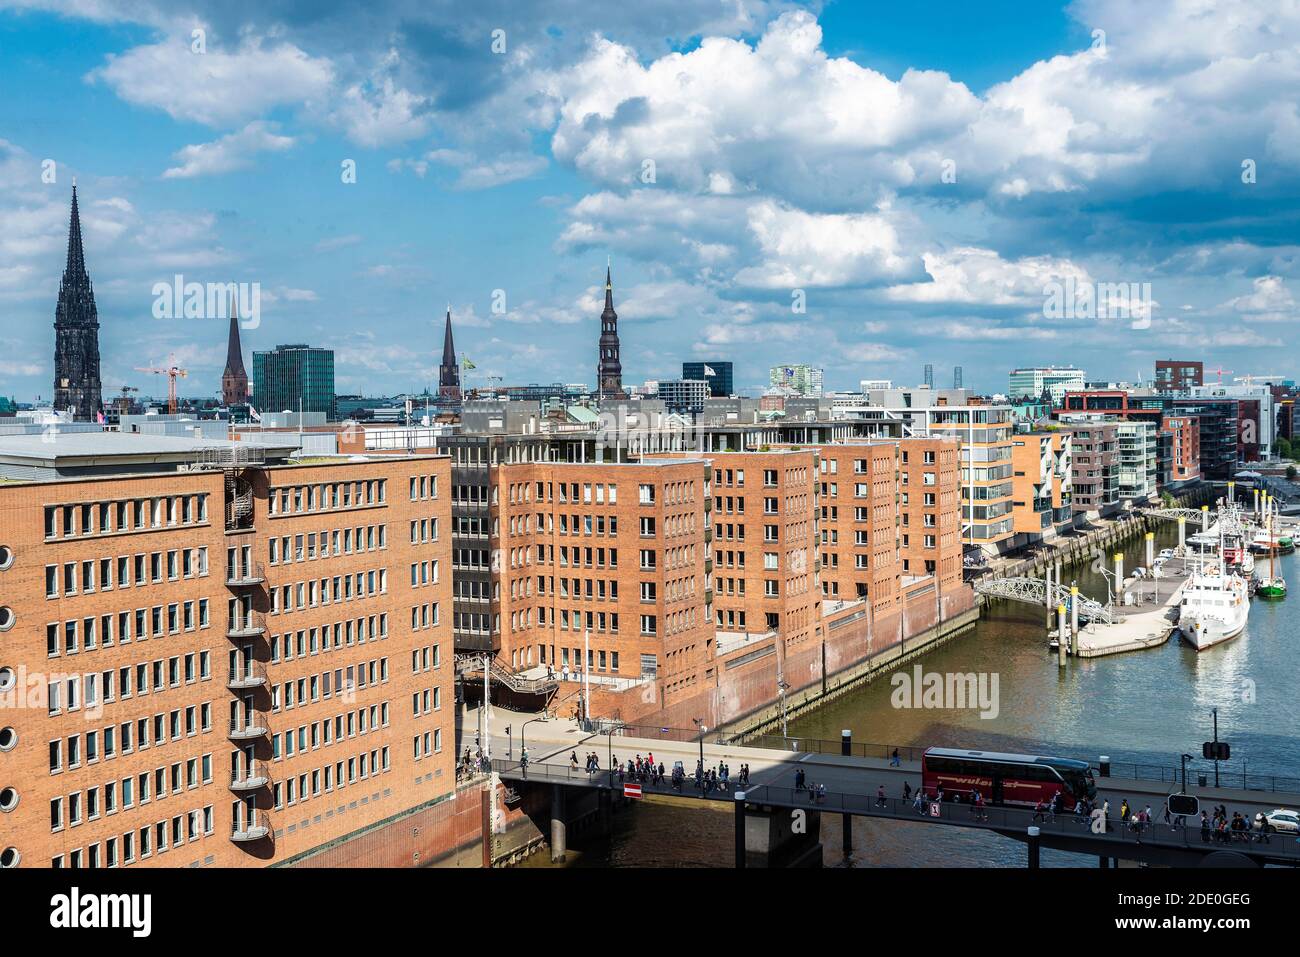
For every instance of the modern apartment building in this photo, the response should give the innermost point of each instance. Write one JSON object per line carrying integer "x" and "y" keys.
{"x": 1042, "y": 491}
{"x": 1179, "y": 375}
{"x": 683, "y": 395}
{"x": 213, "y": 655}
{"x": 1055, "y": 381}
{"x": 1182, "y": 463}
{"x": 985, "y": 433}
{"x": 1137, "y": 444}
{"x": 1095, "y": 465}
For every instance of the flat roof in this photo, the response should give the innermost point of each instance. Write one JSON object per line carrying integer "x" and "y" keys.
{"x": 54, "y": 445}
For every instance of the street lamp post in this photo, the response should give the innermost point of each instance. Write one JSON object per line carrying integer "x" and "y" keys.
{"x": 523, "y": 750}
{"x": 1186, "y": 758}
{"x": 703, "y": 730}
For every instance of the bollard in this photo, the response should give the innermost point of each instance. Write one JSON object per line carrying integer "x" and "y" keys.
{"x": 1033, "y": 848}
{"x": 1062, "y": 635}
{"x": 1104, "y": 761}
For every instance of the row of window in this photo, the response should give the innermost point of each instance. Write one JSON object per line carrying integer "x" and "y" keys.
{"x": 344, "y": 681}
{"x": 107, "y": 518}
{"x": 104, "y": 574}
{"x": 297, "y": 499}
{"x": 141, "y": 844}
{"x": 331, "y": 777}
{"x": 87, "y": 634}
{"x": 91, "y": 803}
{"x": 327, "y": 731}
{"x": 308, "y": 546}
{"x": 315, "y": 593}
{"x": 107, "y": 743}
{"x": 319, "y": 639}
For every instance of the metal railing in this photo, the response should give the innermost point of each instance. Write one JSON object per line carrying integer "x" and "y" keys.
{"x": 245, "y": 573}
{"x": 252, "y": 726}
{"x": 246, "y": 626}
{"x": 252, "y": 775}
{"x": 249, "y": 674}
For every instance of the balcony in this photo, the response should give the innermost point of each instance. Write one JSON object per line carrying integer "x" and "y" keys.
{"x": 246, "y": 626}
{"x": 250, "y": 674}
{"x": 250, "y": 778}
{"x": 245, "y": 575}
{"x": 256, "y": 828}
{"x": 248, "y": 727}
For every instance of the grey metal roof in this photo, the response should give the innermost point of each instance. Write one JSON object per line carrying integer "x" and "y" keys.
{"x": 53, "y": 446}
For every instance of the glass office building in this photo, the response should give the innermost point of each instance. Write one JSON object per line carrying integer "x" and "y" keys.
{"x": 290, "y": 374}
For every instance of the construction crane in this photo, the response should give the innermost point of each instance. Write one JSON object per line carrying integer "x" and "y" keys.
{"x": 1221, "y": 372}
{"x": 172, "y": 372}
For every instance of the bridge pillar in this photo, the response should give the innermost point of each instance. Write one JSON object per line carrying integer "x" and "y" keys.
{"x": 1033, "y": 848}
{"x": 846, "y": 749}
{"x": 740, "y": 829}
{"x": 559, "y": 835}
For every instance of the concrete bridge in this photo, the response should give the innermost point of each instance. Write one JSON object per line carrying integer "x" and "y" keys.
{"x": 778, "y": 825}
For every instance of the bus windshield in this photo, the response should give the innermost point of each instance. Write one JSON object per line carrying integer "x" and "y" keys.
{"x": 1080, "y": 783}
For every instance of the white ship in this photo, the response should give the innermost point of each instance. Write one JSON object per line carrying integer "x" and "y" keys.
{"x": 1213, "y": 609}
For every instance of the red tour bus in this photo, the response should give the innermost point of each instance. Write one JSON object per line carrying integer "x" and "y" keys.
{"x": 1018, "y": 779}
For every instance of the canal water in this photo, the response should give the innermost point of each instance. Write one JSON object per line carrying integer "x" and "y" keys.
{"x": 1145, "y": 707}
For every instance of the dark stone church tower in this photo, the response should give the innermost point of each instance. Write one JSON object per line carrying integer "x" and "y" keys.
{"x": 449, "y": 372}
{"x": 76, "y": 333}
{"x": 609, "y": 371}
{"x": 234, "y": 379}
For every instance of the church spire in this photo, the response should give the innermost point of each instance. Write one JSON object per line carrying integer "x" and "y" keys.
{"x": 449, "y": 372}
{"x": 77, "y": 386}
{"x": 234, "y": 380}
{"x": 609, "y": 370}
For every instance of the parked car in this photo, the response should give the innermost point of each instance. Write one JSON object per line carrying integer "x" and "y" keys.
{"x": 1166, "y": 554}
{"x": 1282, "y": 819}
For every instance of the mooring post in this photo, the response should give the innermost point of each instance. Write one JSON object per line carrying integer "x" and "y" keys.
{"x": 1033, "y": 848}
{"x": 1062, "y": 634}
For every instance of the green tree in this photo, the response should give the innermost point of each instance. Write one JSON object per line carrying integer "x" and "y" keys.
{"x": 1284, "y": 449}
{"x": 1290, "y": 473}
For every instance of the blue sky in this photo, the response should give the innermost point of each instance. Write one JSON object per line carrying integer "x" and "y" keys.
{"x": 798, "y": 152}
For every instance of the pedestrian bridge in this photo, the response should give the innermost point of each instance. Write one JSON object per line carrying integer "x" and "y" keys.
{"x": 1033, "y": 591}
{"x": 1154, "y": 843}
